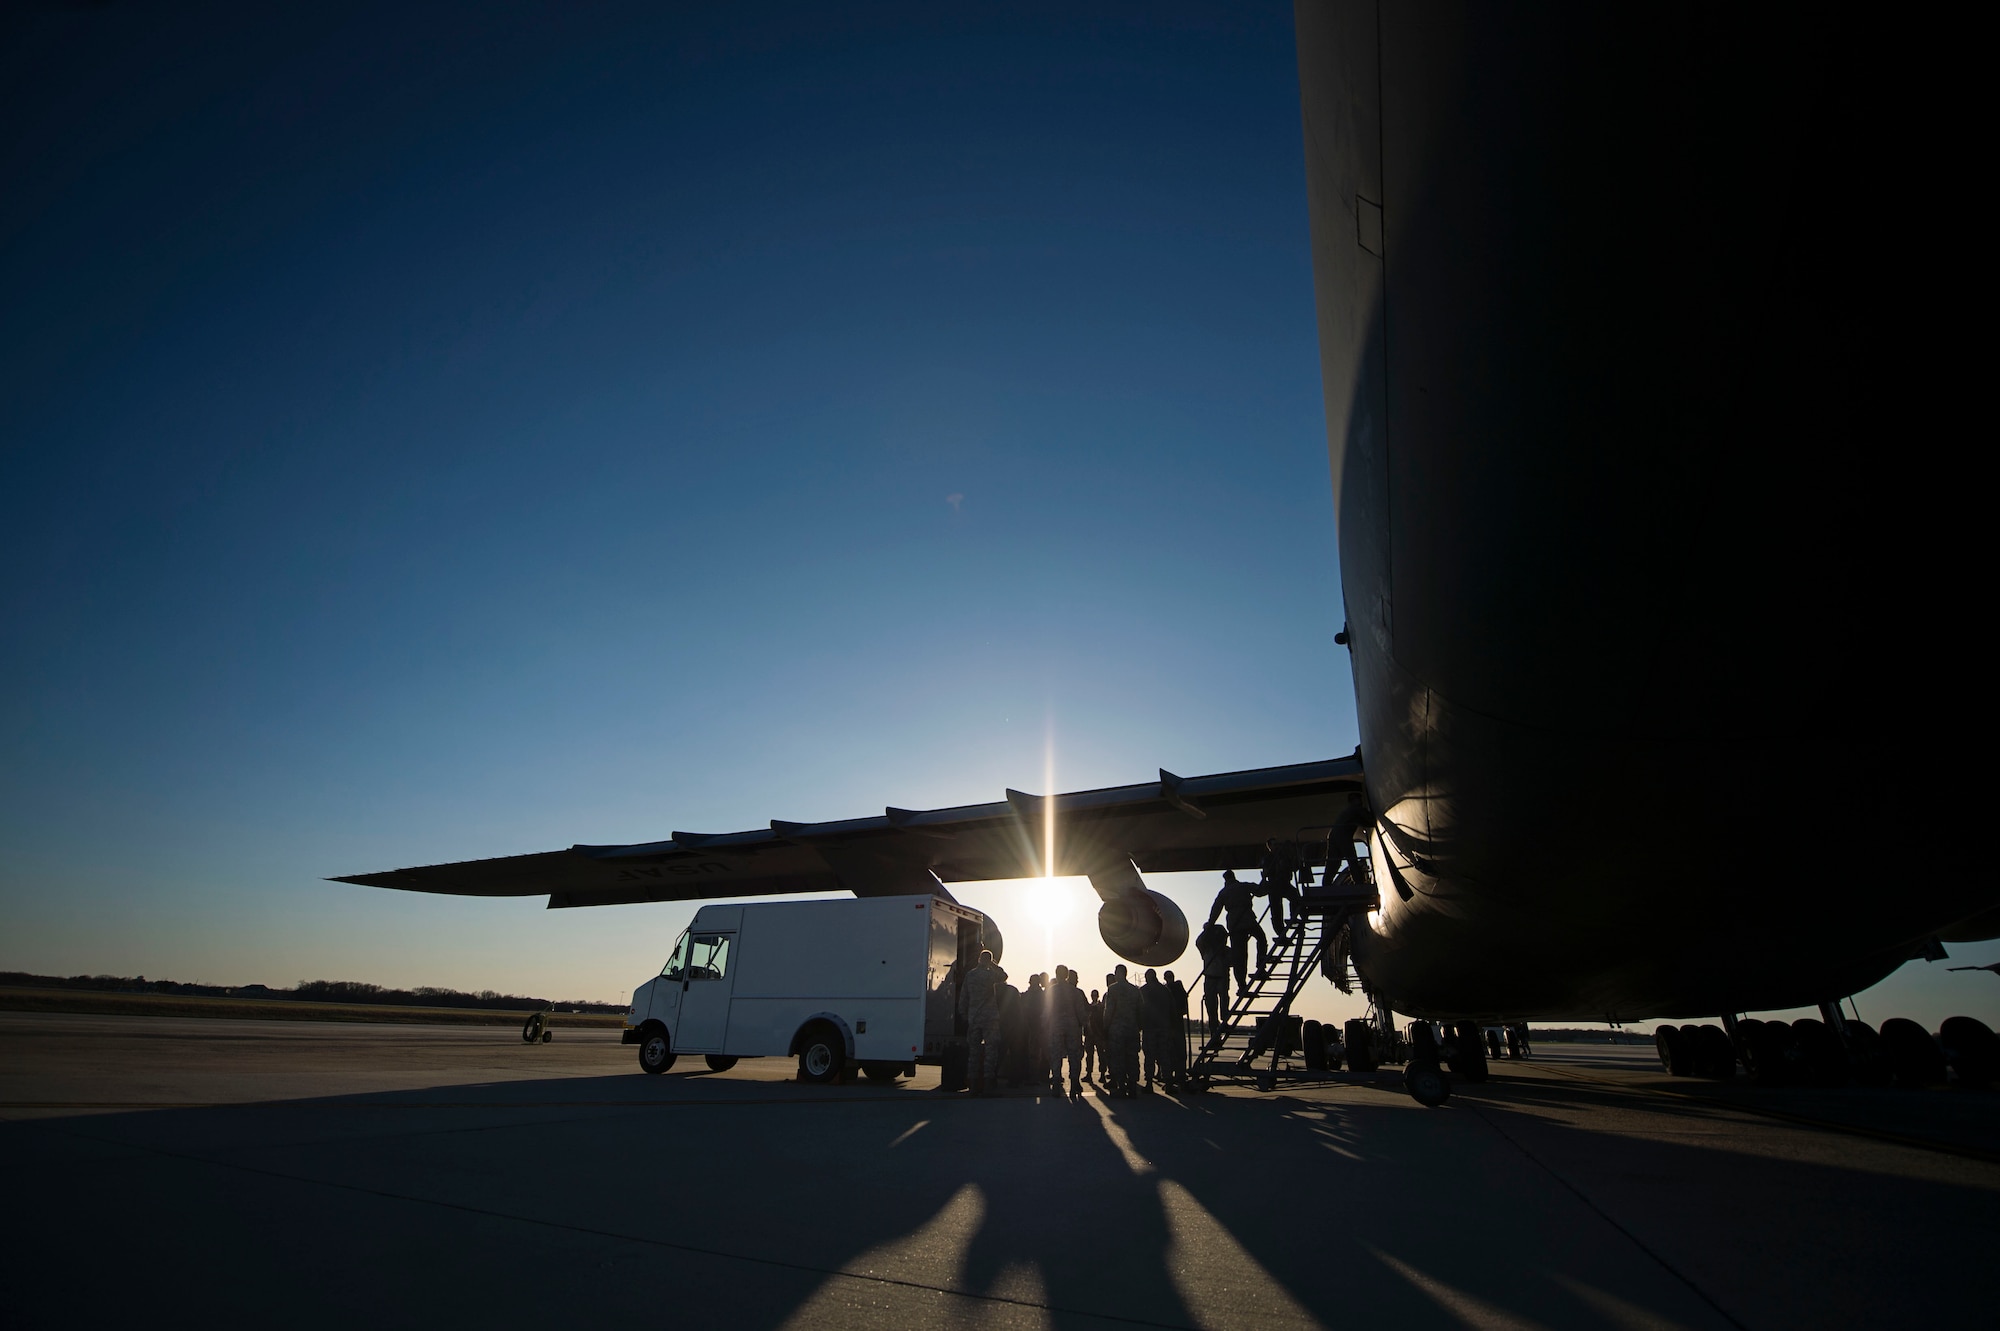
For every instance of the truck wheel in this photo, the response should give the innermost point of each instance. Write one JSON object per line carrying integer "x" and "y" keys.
{"x": 822, "y": 1055}
{"x": 719, "y": 1062}
{"x": 656, "y": 1051}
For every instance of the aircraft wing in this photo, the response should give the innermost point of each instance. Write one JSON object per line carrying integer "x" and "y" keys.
{"x": 1172, "y": 825}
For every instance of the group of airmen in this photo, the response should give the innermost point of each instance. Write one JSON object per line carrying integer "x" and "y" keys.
{"x": 1027, "y": 1038}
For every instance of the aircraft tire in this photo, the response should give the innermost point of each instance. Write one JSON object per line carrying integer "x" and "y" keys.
{"x": 1360, "y": 1049}
{"x": 719, "y": 1062}
{"x": 1823, "y": 1056}
{"x": 881, "y": 1071}
{"x": 1866, "y": 1059}
{"x": 1700, "y": 1057}
{"x": 1971, "y": 1050}
{"x": 1914, "y": 1057}
{"x": 1746, "y": 1043}
{"x": 656, "y": 1050}
{"x": 822, "y": 1055}
{"x": 1427, "y": 1084}
{"x": 531, "y": 1029}
{"x": 1313, "y": 1046}
{"x": 1718, "y": 1055}
{"x": 1469, "y": 1061}
{"x": 1675, "y": 1047}
{"x": 1774, "y": 1054}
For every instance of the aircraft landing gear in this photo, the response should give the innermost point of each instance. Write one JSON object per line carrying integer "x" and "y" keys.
{"x": 1821, "y": 1053}
{"x": 1972, "y": 1050}
{"x": 1466, "y": 1055}
{"x": 1842, "y": 1050}
{"x": 1359, "y": 1038}
{"x": 1914, "y": 1057}
{"x": 1675, "y": 1049}
{"x": 1426, "y": 1083}
{"x": 1423, "y": 1078}
{"x": 1696, "y": 1051}
{"x": 1867, "y": 1062}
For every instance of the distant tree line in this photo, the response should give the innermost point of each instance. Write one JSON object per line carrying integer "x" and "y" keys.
{"x": 1567, "y": 1035}
{"x": 307, "y": 991}
{"x": 357, "y": 991}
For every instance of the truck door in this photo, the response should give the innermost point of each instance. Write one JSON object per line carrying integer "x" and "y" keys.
{"x": 705, "y": 986}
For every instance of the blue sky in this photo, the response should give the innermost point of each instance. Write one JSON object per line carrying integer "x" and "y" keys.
{"x": 443, "y": 434}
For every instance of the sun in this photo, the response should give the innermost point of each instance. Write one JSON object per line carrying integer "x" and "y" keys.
{"x": 1050, "y": 901}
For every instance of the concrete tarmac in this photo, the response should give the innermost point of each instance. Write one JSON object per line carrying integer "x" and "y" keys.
{"x": 167, "y": 1171}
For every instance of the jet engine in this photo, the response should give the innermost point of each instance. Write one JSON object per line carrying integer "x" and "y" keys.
{"x": 989, "y": 937}
{"x": 1145, "y": 928}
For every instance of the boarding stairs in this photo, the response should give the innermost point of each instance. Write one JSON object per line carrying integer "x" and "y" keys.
{"x": 1253, "y": 1028}
{"x": 1254, "y": 1045}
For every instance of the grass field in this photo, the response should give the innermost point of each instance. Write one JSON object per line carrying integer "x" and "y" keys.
{"x": 177, "y": 1005}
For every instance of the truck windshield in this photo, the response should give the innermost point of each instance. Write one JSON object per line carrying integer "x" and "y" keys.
{"x": 676, "y": 966}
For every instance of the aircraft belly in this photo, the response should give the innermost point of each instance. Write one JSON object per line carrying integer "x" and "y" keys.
{"x": 1589, "y": 875}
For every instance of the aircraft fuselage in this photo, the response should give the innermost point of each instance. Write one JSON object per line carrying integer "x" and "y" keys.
{"x": 1602, "y": 356}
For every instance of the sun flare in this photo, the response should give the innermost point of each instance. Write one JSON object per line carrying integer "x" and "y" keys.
{"x": 1050, "y": 901}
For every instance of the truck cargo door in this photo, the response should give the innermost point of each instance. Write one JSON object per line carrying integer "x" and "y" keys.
{"x": 705, "y": 987}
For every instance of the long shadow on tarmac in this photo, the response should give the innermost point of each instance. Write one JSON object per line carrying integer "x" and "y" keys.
{"x": 761, "y": 1204}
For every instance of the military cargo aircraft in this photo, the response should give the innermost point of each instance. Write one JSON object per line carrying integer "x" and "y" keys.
{"x": 1652, "y": 558}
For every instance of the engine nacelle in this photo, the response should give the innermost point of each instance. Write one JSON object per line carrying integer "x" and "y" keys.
{"x": 989, "y": 936}
{"x": 1146, "y": 930}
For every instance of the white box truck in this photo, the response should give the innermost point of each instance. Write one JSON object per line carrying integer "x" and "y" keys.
{"x": 868, "y": 984}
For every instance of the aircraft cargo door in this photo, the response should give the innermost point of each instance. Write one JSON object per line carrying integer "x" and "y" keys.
{"x": 705, "y": 994}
